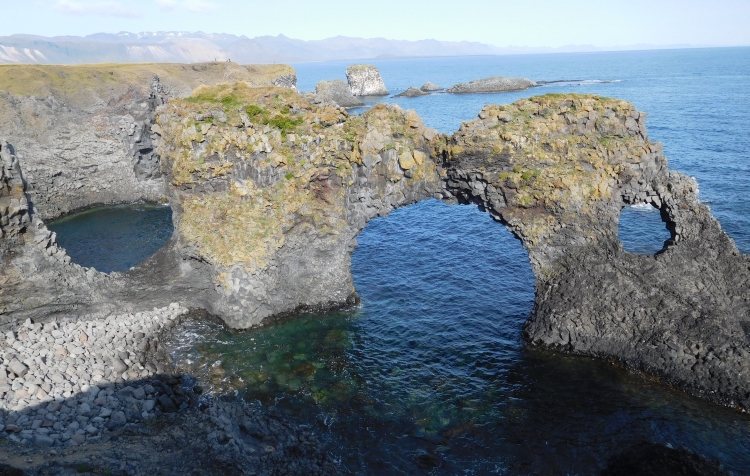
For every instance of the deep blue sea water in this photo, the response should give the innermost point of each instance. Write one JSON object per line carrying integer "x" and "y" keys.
{"x": 428, "y": 375}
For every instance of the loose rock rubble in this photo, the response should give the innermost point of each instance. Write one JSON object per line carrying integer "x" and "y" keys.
{"x": 66, "y": 382}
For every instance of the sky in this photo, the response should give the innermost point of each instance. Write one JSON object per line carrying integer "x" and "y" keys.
{"x": 533, "y": 23}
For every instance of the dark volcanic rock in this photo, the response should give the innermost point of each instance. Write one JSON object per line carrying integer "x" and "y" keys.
{"x": 651, "y": 459}
{"x": 430, "y": 87}
{"x": 411, "y": 93}
{"x": 492, "y": 85}
{"x": 557, "y": 170}
{"x": 336, "y": 92}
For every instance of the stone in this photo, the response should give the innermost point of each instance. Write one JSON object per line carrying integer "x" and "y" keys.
{"x": 406, "y": 160}
{"x": 492, "y": 85}
{"x": 78, "y": 438}
{"x": 365, "y": 80}
{"x": 18, "y": 367}
{"x": 430, "y": 87}
{"x": 119, "y": 366}
{"x": 167, "y": 404}
{"x": 148, "y": 405}
{"x": 43, "y": 440}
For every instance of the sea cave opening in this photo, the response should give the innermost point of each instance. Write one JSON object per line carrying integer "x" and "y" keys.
{"x": 643, "y": 230}
{"x": 114, "y": 238}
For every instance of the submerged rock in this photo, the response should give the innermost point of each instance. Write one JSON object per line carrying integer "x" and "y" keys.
{"x": 492, "y": 85}
{"x": 430, "y": 87}
{"x": 336, "y": 92}
{"x": 411, "y": 93}
{"x": 365, "y": 80}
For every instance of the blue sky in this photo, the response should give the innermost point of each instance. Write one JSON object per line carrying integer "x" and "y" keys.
{"x": 498, "y": 22}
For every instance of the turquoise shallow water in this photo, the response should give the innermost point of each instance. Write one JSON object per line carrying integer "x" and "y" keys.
{"x": 428, "y": 375}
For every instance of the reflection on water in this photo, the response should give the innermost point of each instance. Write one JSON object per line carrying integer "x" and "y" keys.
{"x": 429, "y": 375}
{"x": 114, "y": 238}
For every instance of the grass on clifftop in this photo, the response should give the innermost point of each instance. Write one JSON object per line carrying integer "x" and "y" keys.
{"x": 81, "y": 84}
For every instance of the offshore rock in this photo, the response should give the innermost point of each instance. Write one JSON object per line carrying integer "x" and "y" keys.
{"x": 274, "y": 197}
{"x": 336, "y": 92}
{"x": 365, "y": 80}
{"x": 411, "y": 93}
{"x": 494, "y": 84}
{"x": 430, "y": 87}
{"x": 84, "y": 133}
{"x": 557, "y": 170}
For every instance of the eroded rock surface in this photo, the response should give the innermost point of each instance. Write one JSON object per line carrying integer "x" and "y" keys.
{"x": 494, "y": 84}
{"x": 365, "y": 80}
{"x": 274, "y": 195}
{"x": 429, "y": 87}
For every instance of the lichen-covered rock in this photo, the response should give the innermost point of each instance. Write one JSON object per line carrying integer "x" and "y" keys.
{"x": 494, "y": 84}
{"x": 274, "y": 196}
{"x": 336, "y": 92}
{"x": 365, "y": 80}
{"x": 411, "y": 93}
{"x": 557, "y": 170}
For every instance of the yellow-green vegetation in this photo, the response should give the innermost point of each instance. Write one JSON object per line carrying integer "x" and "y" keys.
{"x": 84, "y": 84}
{"x": 565, "y": 152}
{"x": 305, "y": 151}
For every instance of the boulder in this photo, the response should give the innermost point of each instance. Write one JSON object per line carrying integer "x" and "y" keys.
{"x": 495, "y": 84}
{"x": 411, "y": 93}
{"x": 365, "y": 80}
{"x": 429, "y": 87}
{"x": 336, "y": 92}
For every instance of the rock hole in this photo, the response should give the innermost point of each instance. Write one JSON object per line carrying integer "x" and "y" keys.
{"x": 114, "y": 238}
{"x": 642, "y": 230}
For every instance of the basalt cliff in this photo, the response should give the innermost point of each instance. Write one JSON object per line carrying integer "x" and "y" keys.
{"x": 270, "y": 191}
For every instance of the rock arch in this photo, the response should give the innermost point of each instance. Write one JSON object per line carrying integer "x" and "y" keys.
{"x": 270, "y": 191}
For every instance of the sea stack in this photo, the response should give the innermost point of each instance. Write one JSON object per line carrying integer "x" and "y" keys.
{"x": 365, "y": 80}
{"x": 429, "y": 87}
{"x": 336, "y": 92}
{"x": 495, "y": 84}
{"x": 412, "y": 92}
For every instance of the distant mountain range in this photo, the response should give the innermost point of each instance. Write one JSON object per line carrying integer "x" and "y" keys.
{"x": 184, "y": 47}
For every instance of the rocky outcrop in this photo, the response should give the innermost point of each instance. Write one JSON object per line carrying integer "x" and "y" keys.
{"x": 365, "y": 80}
{"x": 494, "y": 84}
{"x": 14, "y": 207}
{"x": 336, "y": 92}
{"x": 85, "y": 138}
{"x": 274, "y": 197}
{"x": 412, "y": 92}
{"x": 269, "y": 192}
{"x": 557, "y": 170}
{"x": 430, "y": 87}
{"x": 291, "y": 184}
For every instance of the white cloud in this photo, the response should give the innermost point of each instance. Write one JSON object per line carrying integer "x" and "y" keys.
{"x": 104, "y": 8}
{"x": 196, "y": 6}
{"x": 167, "y": 5}
{"x": 200, "y": 6}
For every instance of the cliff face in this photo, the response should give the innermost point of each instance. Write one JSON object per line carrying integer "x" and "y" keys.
{"x": 272, "y": 191}
{"x": 365, "y": 80}
{"x": 84, "y": 132}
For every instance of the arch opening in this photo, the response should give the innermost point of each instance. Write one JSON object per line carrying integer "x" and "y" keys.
{"x": 114, "y": 238}
{"x": 644, "y": 229}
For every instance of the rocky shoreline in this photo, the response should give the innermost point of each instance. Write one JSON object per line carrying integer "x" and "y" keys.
{"x": 96, "y": 385}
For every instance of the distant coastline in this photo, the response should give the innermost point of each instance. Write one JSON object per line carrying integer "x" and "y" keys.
{"x": 187, "y": 47}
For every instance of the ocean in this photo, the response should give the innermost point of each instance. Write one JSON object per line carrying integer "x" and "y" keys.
{"x": 429, "y": 375}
